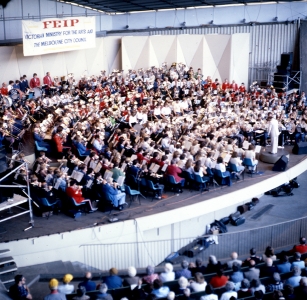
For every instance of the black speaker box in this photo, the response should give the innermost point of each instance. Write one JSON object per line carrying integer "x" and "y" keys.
{"x": 286, "y": 59}
{"x": 281, "y": 164}
{"x": 300, "y": 148}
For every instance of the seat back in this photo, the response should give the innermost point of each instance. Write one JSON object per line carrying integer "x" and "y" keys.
{"x": 45, "y": 202}
{"x": 39, "y": 148}
{"x": 248, "y": 162}
{"x": 233, "y": 167}
{"x": 127, "y": 189}
{"x": 171, "y": 179}
{"x": 209, "y": 172}
{"x": 198, "y": 178}
{"x": 219, "y": 173}
{"x": 73, "y": 202}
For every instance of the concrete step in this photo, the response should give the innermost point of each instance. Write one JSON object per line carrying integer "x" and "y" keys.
{"x": 5, "y": 260}
{"x": 7, "y": 278}
{"x": 84, "y": 268}
{"x": 4, "y": 251}
{"x": 7, "y": 268}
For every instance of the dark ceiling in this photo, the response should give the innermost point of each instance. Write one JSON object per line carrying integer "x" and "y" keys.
{"x": 117, "y": 6}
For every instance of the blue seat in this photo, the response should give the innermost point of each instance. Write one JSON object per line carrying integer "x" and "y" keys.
{"x": 153, "y": 189}
{"x": 48, "y": 205}
{"x": 81, "y": 156}
{"x": 247, "y": 162}
{"x": 132, "y": 194}
{"x": 201, "y": 182}
{"x": 234, "y": 170}
{"x": 173, "y": 183}
{"x": 210, "y": 174}
{"x": 73, "y": 204}
{"x": 190, "y": 180}
{"x": 222, "y": 177}
{"x": 38, "y": 148}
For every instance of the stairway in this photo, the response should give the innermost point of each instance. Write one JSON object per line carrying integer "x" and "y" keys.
{"x": 7, "y": 267}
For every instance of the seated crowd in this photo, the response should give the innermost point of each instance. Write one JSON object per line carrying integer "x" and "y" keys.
{"x": 257, "y": 277}
{"x": 162, "y": 125}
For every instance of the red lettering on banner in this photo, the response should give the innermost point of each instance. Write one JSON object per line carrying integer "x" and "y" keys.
{"x": 60, "y": 23}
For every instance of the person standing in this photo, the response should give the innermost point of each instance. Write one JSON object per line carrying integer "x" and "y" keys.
{"x": 273, "y": 132}
{"x": 35, "y": 84}
{"x": 19, "y": 290}
{"x": 48, "y": 83}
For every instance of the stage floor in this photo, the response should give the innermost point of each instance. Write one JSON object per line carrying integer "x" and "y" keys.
{"x": 14, "y": 229}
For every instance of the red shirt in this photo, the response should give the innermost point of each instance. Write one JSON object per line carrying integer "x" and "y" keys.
{"x": 71, "y": 192}
{"x": 4, "y": 91}
{"x": 299, "y": 248}
{"x": 58, "y": 142}
{"x": 218, "y": 282}
{"x": 174, "y": 171}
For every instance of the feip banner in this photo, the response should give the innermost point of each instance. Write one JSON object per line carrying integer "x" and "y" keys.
{"x": 58, "y": 35}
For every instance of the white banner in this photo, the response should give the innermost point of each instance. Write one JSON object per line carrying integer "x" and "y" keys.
{"x": 58, "y": 35}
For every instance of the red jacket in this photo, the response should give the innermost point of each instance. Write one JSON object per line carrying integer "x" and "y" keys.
{"x": 72, "y": 193}
{"x": 174, "y": 171}
{"x": 58, "y": 142}
{"x": 35, "y": 82}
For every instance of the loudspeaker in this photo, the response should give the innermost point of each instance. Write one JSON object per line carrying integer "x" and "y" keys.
{"x": 300, "y": 148}
{"x": 281, "y": 164}
{"x": 286, "y": 59}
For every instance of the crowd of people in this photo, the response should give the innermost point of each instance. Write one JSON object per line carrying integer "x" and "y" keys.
{"x": 235, "y": 279}
{"x": 168, "y": 121}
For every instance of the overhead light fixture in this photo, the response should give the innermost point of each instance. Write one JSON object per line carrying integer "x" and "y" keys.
{"x": 229, "y": 5}
{"x": 243, "y": 21}
{"x": 127, "y": 26}
{"x": 261, "y": 3}
{"x": 211, "y": 22}
{"x": 275, "y": 19}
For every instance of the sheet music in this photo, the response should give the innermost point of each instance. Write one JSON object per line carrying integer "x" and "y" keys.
{"x": 152, "y": 166}
{"x": 107, "y": 174}
{"x": 93, "y": 164}
{"x": 89, "y": 183}
{"x": 245, "y": 145}
{"x": 258, "y": 149}
{"x": 87, "y": 159}
{"x": 156, "y": 168}
{"x": 227, "y": 158}
{"x": 121, "y": 180}
{"x": 77, "y": 175}
{"x": 57, "y": 184}
{"x": 98, "y": 167}
{"x": 164, "y": 167}
{"x": 216, "y": 155}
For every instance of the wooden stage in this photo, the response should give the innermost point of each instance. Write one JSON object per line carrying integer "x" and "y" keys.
{"x": 13, "y": 229}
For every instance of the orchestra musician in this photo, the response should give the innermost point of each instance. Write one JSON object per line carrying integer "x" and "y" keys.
{"x": 35, "y": 85}
{"x": 48, "y": 83}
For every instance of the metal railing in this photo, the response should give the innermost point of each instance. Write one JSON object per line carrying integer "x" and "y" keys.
{"x": 141, "y": 254}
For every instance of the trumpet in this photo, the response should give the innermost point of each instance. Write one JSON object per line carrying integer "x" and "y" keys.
{"x": 7, "y": 133}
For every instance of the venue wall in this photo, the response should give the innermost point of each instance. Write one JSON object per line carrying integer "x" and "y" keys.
{"x": 220, "y": 56}
{"x": 106, "y": 56}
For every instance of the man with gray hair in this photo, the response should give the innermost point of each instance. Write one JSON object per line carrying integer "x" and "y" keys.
{"x": 297, "y": 261}
{"x": 117, "y": 197}
{"x": 294, "y": 280}
{"x": 229, "y": 287}
{"x": 184, "y": 271}
{"x": 234, "y": 259}
{"x": 103, "y": 293}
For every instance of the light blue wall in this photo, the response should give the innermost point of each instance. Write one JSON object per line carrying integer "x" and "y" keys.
{"x": 16, "y": 10}
{"x": 220, "y": 15}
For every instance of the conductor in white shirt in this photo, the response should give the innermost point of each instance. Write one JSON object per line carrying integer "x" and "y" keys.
{"x": 273, "y": 132}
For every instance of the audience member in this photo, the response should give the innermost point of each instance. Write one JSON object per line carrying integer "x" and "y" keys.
{"x": 66, "y": 288}
{"x": 297, "y": 261}
{"x": 219, "y": 280}
{"x": 269, "y": 269}
{"x": 159, "y": 291}
{"x": 284, "y": 266}
{"x": 151, "y": 275}
{"x": 168, "y": 274}
{"x": 276, "y": 284}
{"x": 256, "y": 285}
{"x": 234, "y": 259}
{"x": 209, "y": 294}
{"x": 54, "y": 294}
{"x": 199, "y": 284}
{"x": 184, "y": 271}
{"x": 301, "y": 248}
{"x": 132, "y": 279}
{"x": 252, "y": 272}
{"x": 102, "y": 295}
{"x": 269, "y": 253}
{"x": 19, "y": 290}
{"x": 87, "y": 283}
{"x": 81, "y": 294}
{"x": 253, "y": 257}
{"x": 237, "y": 276}
{"x": 229, "y": 287}
{"x": 183, "y": 283}
{"x": 294, "y": 280}
{"x": 113, "y": 281}
{"x": 245, "y": 290}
